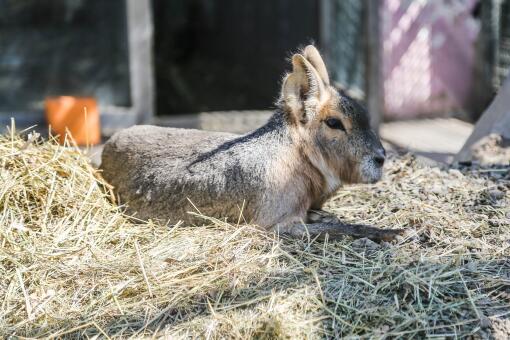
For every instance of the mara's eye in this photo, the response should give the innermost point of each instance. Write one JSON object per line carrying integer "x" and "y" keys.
{"x": 335, "y": 123}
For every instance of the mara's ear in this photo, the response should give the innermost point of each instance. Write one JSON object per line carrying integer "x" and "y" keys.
{"x": 314, "y": 57}
{"x": 303, "y": 89}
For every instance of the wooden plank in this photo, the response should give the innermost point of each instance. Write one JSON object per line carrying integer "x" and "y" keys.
{"x": 486, "y": 58}
{"x": 325, "y": 16}
{"x": 140, "y": 32}
{"x": 373, "y": 81}
{"x": 496, "y": 119}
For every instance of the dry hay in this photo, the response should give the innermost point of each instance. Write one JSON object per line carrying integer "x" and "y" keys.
{"x": 72, "y": 265}
{"x": 492, "y": 149}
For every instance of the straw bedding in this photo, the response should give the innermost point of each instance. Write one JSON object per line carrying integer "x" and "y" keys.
{"x": 72, "y": 265}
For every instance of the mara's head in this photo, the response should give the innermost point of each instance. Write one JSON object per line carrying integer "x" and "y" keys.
{"x": 334, "y": 130}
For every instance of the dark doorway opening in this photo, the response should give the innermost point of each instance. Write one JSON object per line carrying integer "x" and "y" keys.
{"x": 216, "y": 55}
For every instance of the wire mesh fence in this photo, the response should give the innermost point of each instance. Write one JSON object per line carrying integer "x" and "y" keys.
{"x": 344, "y": 43}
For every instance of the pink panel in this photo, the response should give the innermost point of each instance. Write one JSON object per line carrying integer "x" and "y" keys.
{"x": 428, "y": 54}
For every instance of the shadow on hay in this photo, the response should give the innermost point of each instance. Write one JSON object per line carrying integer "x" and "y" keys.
{"x": 418, "y": 298}
{"x": 169, "y": 316}
{"x": 363, "y": 292}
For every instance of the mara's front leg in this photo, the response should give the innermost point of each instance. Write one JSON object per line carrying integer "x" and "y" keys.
{"x": 334, "y": 228}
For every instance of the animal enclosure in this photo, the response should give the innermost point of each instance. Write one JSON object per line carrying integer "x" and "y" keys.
{"x": 185, "y": 234}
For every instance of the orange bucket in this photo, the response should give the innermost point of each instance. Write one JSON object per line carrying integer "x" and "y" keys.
{"x": 78, "y": 115}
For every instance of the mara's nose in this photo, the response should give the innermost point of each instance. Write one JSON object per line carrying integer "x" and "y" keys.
{"x": 379, "y": 157}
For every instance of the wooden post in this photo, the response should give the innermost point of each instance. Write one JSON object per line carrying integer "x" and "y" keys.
{"x": 325, "y": 27}
{"x": 140, "y": 32}
{"x": 141, "y": 74}
{"x": 496, "y": 119}
{"x": 373, "y": 76}
{"x": 486, "y": 59}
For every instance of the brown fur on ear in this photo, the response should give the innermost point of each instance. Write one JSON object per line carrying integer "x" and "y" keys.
{"x": 291, "y": 95}
{"x": 312, "y": 54}
{"x": 301, "y": 85}
{"x": 312, "y": 84}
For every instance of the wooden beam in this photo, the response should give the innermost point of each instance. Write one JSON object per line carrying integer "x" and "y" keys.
{"x": 496, "y": 119}
{"x": 325, "y": 27}
{"x": 140, "y": 34}
{"x": 373, "y": 76}
{"x": 486, "y": 59}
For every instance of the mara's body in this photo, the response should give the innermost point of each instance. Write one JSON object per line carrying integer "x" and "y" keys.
{"x": 272, "y": 177}
{"x": 165, "y": 173}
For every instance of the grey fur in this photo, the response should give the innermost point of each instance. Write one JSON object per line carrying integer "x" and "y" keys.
{"x": 163, "y": 173}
